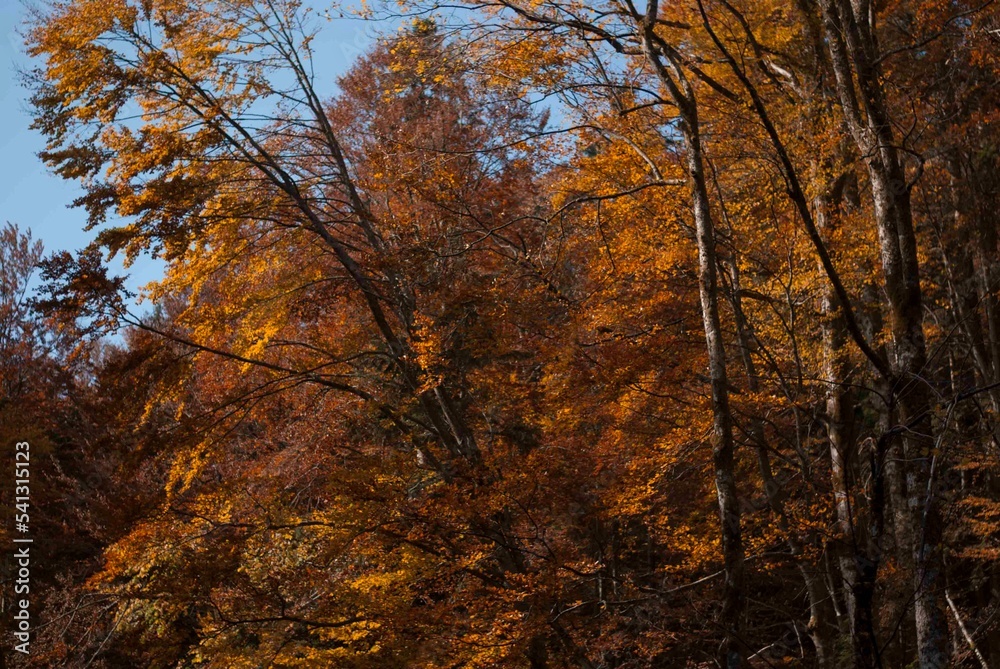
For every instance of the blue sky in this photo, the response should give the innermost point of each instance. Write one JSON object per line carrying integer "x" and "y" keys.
{"x": 29, "y": 196}
{"x": 33, "y": 198}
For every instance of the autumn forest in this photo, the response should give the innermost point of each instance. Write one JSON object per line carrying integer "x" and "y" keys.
{"x": 590, "y": 334}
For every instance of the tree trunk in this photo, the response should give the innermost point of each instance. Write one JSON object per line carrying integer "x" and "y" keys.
{"x": 733, "y": 649}
{"x": 854, "y": 57}
{"x": 843, "y": 454}
{"x": 723, "y": 455}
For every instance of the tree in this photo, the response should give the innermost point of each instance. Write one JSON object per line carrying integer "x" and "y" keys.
{"x": 456, "y": 366}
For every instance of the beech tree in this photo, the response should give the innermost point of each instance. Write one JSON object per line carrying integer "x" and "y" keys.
{"x": 558, "y": 334}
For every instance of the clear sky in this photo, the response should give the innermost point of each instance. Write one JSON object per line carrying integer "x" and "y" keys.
{"x": 29, "y": 196}
{"x": 33, "y": 198}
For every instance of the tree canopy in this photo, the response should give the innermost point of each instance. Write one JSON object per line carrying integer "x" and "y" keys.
{"x": 564, "y": 334}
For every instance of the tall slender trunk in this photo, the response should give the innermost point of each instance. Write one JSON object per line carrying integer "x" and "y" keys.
{"x": 854, "y": 56}
{"x": 843, "y": 462}
{"x": 670, "y": 71}
{"x": 723, "y": 452}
